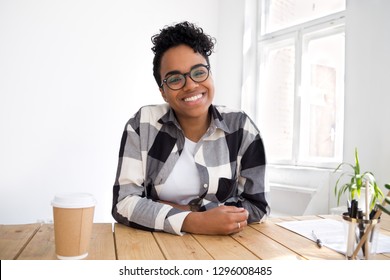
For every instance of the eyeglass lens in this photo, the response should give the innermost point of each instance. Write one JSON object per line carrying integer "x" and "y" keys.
{"x": 197, "y": 74}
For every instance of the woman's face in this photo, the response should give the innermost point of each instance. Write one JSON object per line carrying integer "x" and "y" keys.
{"x": 194, "y": 99}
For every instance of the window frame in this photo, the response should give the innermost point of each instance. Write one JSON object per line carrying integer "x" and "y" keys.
{"x": 327, "y": 25}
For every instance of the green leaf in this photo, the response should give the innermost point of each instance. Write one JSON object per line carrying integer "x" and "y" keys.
{"x": 369, "y": 176}
{"x": 357, "y": 181}
{"x": 384, "y": 209}
{"x": 377, "y": 190}
{"x": 357, "y": 165}
{"x": 342, "y": 190}
{"x": 337, "y": 182}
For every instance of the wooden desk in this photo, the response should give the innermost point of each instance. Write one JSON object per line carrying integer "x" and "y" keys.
{"x": 109, "y": 242}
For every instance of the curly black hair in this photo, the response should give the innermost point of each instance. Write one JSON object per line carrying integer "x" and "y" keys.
{"x": 183, "y": 33}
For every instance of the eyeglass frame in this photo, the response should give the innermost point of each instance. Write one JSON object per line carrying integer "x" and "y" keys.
{"x": 207, "y": 66}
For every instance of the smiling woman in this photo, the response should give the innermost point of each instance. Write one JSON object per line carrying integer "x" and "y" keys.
{"x": 188, "y": 165}
{"x": 192, "y": 100}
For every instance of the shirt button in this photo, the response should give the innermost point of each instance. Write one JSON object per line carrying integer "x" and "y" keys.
{"x": 205, "y": 186}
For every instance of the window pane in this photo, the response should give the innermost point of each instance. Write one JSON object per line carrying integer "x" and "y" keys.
{"x": 321, "y": 126}
{"x": 277, "y": 100}
{"x": 285, "y": 13}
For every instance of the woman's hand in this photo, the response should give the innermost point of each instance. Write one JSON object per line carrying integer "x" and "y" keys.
{"x": 220, "y": 220}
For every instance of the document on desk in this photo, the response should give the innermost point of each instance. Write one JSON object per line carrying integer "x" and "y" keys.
{"x": 331, "y": 233}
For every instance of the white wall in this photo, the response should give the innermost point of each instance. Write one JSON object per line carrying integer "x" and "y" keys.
{"x": 367, "y": 100}
{"x": 229, "y": 50}
{"x": 71, "y": 75}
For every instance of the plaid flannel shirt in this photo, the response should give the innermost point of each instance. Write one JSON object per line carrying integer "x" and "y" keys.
{"x": 230, "y": 159}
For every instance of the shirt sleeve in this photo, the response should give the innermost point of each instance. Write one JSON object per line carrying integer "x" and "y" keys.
{"x": 131, "y": 204}
{"x": 254, "y": 195}
{"x": 252, "y": 187}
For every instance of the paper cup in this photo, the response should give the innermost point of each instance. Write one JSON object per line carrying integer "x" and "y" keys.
{"x": 73, "y": 220}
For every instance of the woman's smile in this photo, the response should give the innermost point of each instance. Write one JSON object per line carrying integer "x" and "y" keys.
{"x": 193, "y": 98}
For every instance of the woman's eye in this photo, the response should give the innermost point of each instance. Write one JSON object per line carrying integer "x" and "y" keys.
{"x": 198, "y": 73}
{"x": 175, "y": 79}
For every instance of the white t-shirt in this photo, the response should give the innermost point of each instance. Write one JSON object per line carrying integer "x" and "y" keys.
{"x": 183, "y": 184}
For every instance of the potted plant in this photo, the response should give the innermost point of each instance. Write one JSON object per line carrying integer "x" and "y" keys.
{"x": 358, "y": 181}
{"x": 361, "y": 221}
{"x": 368, "y": 232}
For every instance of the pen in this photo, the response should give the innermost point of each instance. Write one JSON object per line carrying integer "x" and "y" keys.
{"x": 361, "y": 228}
{"x": 373, "y": 211}
{"x": 318, "y": 241}
{"x": 349, "y": 207}
{"x": 354, "y": 208}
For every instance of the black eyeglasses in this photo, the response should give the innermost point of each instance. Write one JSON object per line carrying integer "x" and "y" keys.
{"x": 176, "y": 80}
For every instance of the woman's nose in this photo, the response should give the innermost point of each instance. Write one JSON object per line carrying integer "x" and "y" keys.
{"x": 190, "y": 84}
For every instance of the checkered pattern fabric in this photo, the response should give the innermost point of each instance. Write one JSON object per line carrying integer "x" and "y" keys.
{"x": 230, "y": 159}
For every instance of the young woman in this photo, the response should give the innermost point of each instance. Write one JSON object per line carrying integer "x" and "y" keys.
{"x": 188, "y": 165}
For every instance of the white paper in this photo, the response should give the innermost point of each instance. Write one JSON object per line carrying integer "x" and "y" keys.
{"x": 331, "y": 233}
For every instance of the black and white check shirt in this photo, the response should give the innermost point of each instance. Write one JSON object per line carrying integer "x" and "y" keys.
{"x": 230, "y": 159}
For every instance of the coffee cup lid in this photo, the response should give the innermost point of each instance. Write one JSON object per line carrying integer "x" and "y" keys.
{"x": 73, "y": 200}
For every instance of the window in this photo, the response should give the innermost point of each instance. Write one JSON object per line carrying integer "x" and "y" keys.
{"x": 300, "y": 89}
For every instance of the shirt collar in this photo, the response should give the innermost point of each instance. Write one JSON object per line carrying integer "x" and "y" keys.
{"x": 217, "y": 120}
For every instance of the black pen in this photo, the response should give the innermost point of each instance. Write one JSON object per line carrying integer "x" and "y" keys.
{"x": 354, "y": 208}
{"x": 318, "y": 241}
{"x": 373, "y": 211}
{"x": 361, "y": 228}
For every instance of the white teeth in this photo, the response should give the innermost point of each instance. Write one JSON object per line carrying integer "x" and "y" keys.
{"x": 193, "y": 98}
